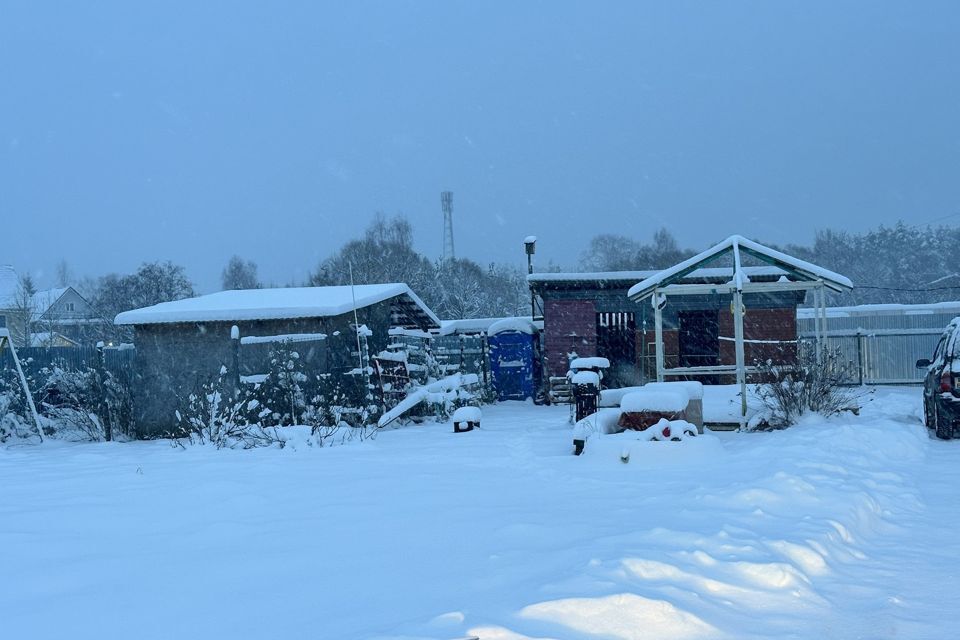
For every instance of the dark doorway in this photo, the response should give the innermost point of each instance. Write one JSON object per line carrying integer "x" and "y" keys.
{"x": 699, "y": 338}
{"x": 617, "y": 342}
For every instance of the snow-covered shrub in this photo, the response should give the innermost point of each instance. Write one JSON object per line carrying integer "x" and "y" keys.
{"x": 217, "y": 414}
{"x": 70, "y": 400}
{"x": 117, "y": 411}
{"x": 440, "y": 406}
{"x": 335, "y": 407}
{"x": 14, "y": 417}
{"x": 281, "y": 398}
{"x": 812, "y": 385}
{"x": 82, "y": 404}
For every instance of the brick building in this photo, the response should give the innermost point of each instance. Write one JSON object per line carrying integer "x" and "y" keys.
{"x": 589, "y": 314}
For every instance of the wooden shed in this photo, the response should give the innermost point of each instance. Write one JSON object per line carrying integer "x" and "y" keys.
{"x": 186, "y": 342}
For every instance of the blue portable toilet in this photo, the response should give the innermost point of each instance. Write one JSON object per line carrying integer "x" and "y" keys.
{"x": 512, "y": 357}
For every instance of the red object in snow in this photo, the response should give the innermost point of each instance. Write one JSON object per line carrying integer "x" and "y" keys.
{"x": 666, "y": 431}
{"x": 946, "y": 382}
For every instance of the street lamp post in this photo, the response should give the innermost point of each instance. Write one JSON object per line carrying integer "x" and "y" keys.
{"x": 530, "y": 244}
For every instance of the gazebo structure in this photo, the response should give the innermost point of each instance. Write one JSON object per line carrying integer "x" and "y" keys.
{"x": 798, "y": 275}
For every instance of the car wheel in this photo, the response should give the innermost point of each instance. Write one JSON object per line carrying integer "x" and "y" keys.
{"x": 944, "y": 428}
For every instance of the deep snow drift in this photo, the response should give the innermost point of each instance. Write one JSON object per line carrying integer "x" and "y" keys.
{"x": 843, "y": 529}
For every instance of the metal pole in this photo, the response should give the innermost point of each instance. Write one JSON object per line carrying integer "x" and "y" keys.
{"x": 24, "y": 385}
{"x": 738, "y": 334}
{"x": 823, "y": 322}
{"x": 235, "y": 347}
{"x": 658, "y": 332}
{"x": 356, "y": 321}
{"x": 102, "y": 406}
{"x": 741, "y": 360}
{"x": 533, "y": 295}
{"x": 860, "y": 367}
{"x": 817, "y": 321}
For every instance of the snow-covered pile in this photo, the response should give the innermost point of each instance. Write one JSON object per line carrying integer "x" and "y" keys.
{"x": 605, "y": 420}
{"x": 663, "y": 400}
{"x": 586, "y": 377}
{"x": 668, "y": 443}
{"x": 692, "y": 388}
{"x": 467, "y": 414}
{"x": 589, "y": 363}
{"x": 613, "y": 397}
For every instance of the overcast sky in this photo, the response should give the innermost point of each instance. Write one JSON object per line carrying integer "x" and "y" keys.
{"x": 190, "y": 131}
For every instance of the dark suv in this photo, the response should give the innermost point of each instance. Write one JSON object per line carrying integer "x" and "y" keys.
{"x": 941, "y": 396}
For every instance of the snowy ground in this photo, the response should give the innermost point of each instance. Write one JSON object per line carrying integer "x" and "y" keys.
{"x": 838, "y": 530}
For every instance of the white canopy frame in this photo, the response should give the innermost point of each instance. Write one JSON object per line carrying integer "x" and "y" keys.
{"x": 805, "y": 277}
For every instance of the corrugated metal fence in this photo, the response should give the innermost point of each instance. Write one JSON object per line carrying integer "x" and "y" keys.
{"x": 882, "y": 348}
{"x": 118, "y": 361}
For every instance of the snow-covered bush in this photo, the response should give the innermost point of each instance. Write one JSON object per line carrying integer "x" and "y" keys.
{"x": 281, "y": 398}
{"x": 14, "y": 420}
{"x": 70, "y": 400}
{"x": 217, "y": 414}
{"x": 336, "y": 408}
{"x": 812, "y": 385}
{"x": 73, "y": 404}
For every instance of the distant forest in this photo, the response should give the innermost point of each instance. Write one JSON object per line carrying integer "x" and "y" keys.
{"x": 899, "y": 264}
{"x": 903, "y": 264}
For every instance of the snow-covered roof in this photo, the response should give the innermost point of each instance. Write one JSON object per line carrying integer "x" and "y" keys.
{"x": 273, "y": 304}
{"x": 477, "y": 325}
{"x": 521, "y": 325}
{"x": 50, "y": 339}
{"x": 736, "y": 245}
{"x": 8, "y": 286}
{"x": 636, "y": 276}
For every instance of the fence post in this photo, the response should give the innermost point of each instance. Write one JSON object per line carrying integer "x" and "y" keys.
{"x": 484, "y": 362}
{"x": 235, "y": 344}
{"x": 103, "y": 405}
{"x": 861, "y": 357}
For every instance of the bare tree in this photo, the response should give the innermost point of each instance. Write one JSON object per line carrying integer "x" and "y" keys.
{"x": 458, "y": 288}
{"x": 154, "y": 282}
{"x": 385, "y": 253}
{"x": 64, "y": 275}
{"x": 23, "y": 310}
{"x": 611, "y": 252}
{"x": 240, "y": 274}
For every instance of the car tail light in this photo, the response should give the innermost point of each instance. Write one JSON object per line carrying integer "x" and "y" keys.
{"x": 946, "y": 382}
